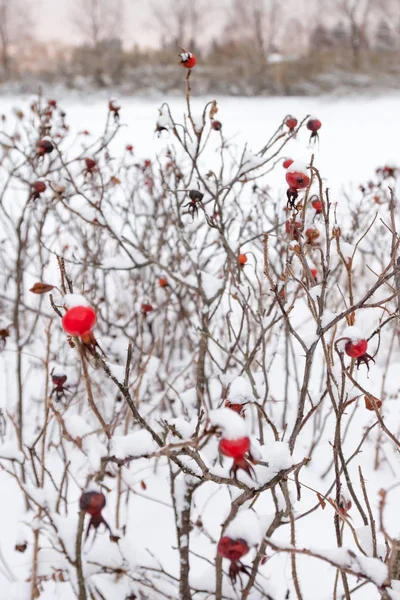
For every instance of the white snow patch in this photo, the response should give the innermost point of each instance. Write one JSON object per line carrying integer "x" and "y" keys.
{"x": 232, "y": 425}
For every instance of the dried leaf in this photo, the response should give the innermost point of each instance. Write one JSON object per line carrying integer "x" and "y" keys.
{"x": 115, "y": 180}
{"x": 351, "y": 319}
{"x": 41, "y": 288}
{"x": 143, "y": 485}
{"x": 321, "y": 501}
{"x": 369, "y": 405}
{"x": 213, "y": 109}
{"x": 21, "y": 547}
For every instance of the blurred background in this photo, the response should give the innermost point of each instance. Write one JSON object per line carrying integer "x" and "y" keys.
{"x": 244, "y": 47}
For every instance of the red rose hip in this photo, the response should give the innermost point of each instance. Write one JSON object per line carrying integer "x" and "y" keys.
{"x": 188, "y": 60}
{"x": 234, "y": 448}
{"x": 356, "y": 349}
{"x": 78, "y": 320}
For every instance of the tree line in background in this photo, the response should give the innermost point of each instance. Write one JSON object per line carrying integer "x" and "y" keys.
{"x": 256, "y": 39}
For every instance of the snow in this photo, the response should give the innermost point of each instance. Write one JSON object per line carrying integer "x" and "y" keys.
{"x": 353, "y": 333}
{"x": 245, "y": 526}
{"x": 163, "y": 382}
{"x": 232, "y": 425}
{"x": 240, "y": 391}
{"x": 134, "y": 444}
{"x": 71, "y": 300}
{"x": 298, "y": 166}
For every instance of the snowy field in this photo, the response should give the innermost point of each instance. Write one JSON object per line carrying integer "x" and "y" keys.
{"x": 357, "y": 136}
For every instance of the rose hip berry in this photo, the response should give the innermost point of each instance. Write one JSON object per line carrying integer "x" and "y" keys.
{"x": 317, "y": 206}
{"x": 146, "y": 308}
{"x": 237, "y": 408}
{"x": 188, "y": 60}
{"x": 91, "y": 166}
{"x": 358, "y": 350}
{"x": 290, "y": 122}
{"x": 216, "y": 125}
{"x": 297, "y": 180}
{"x": 286, "y": 163}
{"x": 237, "y": 449}
{"x": 233, "y": 550}
{"x": 242, "y": 259}
{"x": 79, "y": 320}
{"x": 45, "y": 147}
{"x": 38, "y": 187}
{"x": 234, "y": 448}
{"x": 92, "y": 503}
{"x": 163, "y": 282}
{"x": 314, "y": 125}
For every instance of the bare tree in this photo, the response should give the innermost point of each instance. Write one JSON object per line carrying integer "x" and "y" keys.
{"x": 357, "y": 16}
{"x": 179, "y": 22}
{"x": 98, "y": 20}
{"x": 15, "y": 23}
{"x": 100, "y": 23}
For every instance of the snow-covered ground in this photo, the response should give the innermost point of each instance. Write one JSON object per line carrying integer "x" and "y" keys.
{"x": 357, "y": 135}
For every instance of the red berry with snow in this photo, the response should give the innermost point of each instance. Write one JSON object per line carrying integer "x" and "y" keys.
{"x": 163, "y": 282}
{"x": 297, "y": 180}
{"x": 234, "y": 448}
{"x": 216, "y": 125}
{"x": 242, "y": 259}
{"x": 290, "y": 122}
{"x": 355, "y": 349}
{"x": 78, "y": 320}
{"x": 232, "y": 549}
{"x": 314, "y": 273}
{"x": 188, "y": 60}
{"x": 286, "y": 163}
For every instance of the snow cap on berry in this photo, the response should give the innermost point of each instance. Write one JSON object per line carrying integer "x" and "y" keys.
{"x": 71, "y": 300}
{"x": 353, "y": 333}
{"x": 232, "y": 425}
{"x": 245, "y": 526}
{"x": 298, "y": 166}
{"x": 240, "y": 391}
{"x": 185, "y": 56}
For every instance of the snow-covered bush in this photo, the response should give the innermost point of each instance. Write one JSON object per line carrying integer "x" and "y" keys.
{"x": 228, "y": 425}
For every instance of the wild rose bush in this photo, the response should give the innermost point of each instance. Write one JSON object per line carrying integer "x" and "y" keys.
{"x": 228, "y": 421}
